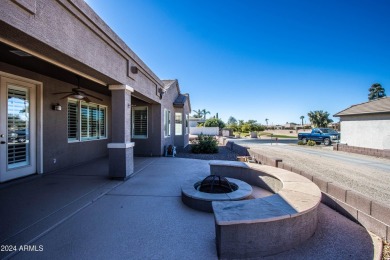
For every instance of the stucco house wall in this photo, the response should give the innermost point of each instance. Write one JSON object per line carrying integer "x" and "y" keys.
{"x": 62, "y": 28}
{"x": 54, "y": 127}
{"x": 67, "y": 38}
{"x": 172, "y": 92}
{"x": 183, "y": 140}
{"x": 150, "y": 146}
{"x": 366, "y": 126}
{"x": 370, "y": 131}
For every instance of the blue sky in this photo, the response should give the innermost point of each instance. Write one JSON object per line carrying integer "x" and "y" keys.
{"x": 255, "y": 59}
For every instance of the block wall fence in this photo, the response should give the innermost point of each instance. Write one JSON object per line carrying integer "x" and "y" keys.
{"x": 361, "y": 150}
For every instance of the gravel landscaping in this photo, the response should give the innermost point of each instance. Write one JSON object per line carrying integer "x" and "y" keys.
{"x": 367, "y": 179}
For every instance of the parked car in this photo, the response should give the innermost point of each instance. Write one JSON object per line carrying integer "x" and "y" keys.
{"x": 320, "y": 135}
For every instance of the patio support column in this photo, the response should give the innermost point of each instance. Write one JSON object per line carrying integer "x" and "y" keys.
{"x": 121, "y": 160}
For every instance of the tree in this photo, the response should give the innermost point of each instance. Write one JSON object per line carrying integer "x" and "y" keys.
{"x": 302, "y": 117}
{"x": 250, "y": 126}
{"x": 266, "y": 121}
{"x": 231, "y": 121}
{"x": 198, "y": 113}
{"x": 319, "y": 118}
{"x": 214, "y": 122}
{"x": 240, "y": 124}
{"x": 204, "y": 113}
{"x": 376, "y": 91}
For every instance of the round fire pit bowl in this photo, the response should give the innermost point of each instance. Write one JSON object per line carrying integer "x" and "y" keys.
{"x": 199, "y": 200}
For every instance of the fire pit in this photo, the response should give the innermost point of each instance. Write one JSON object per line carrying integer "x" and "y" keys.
{"x": 199, "y": 194}
{"x": 215, "y": 184}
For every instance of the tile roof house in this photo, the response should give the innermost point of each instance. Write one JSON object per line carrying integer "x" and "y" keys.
{"x": 72, "y": 91}
{"x": 366, "y": 125}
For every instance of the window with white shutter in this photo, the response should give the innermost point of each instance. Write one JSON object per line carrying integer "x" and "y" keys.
{"x": 178, "y": 124}
{"x": 86, "y": 121}
{"x": 140, "y": 122}
{"x": 72, "y": 120}
{"x": 102, "y": 122}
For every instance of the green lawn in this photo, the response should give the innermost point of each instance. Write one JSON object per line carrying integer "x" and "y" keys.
{"x": 284, "y": 136}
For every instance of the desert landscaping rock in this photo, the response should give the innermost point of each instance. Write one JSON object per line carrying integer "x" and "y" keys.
{"x": 366, "y": 179}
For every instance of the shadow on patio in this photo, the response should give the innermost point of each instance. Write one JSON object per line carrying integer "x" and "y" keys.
{"x": 81, "y": 214}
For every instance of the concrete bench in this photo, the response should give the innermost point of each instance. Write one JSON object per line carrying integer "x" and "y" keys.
{"x": 269, "y": 225}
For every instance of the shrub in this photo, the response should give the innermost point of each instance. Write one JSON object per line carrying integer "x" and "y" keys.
{"x": 311, "y": 143}
{"x": 205, "y": 144}
{"x": 214, "y": 122}
{"x": 300, "y": 142}
{"x": 250, "y": 126}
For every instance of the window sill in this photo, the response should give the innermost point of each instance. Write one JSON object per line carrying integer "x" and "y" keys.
{"x": 83, "y": 141}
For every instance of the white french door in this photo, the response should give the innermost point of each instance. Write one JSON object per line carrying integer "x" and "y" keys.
{"x": 18, "y": 154}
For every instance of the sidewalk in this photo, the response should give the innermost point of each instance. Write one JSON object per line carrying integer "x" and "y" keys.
{"x": 81, "y": 214}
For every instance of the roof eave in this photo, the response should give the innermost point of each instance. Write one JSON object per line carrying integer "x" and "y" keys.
{"x": 357, "y": 114}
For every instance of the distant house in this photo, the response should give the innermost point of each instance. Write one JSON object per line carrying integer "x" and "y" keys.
{"x": 194, "y": 121}
{"x": 366, "y": 125}
{"x": 290, "y": 126}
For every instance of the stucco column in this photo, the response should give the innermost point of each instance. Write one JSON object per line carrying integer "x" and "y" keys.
{"x": 121, "y": 159}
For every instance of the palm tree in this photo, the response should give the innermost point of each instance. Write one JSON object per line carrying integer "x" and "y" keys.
{"x": 302, "y": 117}
{"x": 198, "y": 114}
{"x": 204, "y": 113}
{"x": 319, "y": 118}
{"x": 266, "y": 121}
{"x": 376, "y": 91}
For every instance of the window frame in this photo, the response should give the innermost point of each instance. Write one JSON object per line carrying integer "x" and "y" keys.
{"x": 181, "y": 124}
{"x": 167, "y": 123}
{"x": 133, "y": 124}
{"x": 187, "y": 124}
{"x": 100, "y": 126}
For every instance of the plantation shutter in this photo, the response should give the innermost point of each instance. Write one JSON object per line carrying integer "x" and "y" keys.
{"x": 140, "y": 122}
{"x": 84, "y": 121}
{"x": 72, "y": 120}
{"x": 102, "y": 122}
{"x": 93, "y": 122}
{"x": 18, "y": 127}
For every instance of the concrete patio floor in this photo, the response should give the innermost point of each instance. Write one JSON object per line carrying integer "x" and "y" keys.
{"x": 81, "y": 214}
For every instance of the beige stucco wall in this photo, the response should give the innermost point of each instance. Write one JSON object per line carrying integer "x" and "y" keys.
{"x": 69, "y": 34}
{"x": 370, "y": 131}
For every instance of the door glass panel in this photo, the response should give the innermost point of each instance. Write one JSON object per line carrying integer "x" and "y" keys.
{"x": 18, "y": 112}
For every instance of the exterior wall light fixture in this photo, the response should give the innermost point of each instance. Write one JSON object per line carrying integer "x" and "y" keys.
{"x": 134, "y": 69}
{"x": 161, "y": 91}
{"x": 57, "y": 107}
